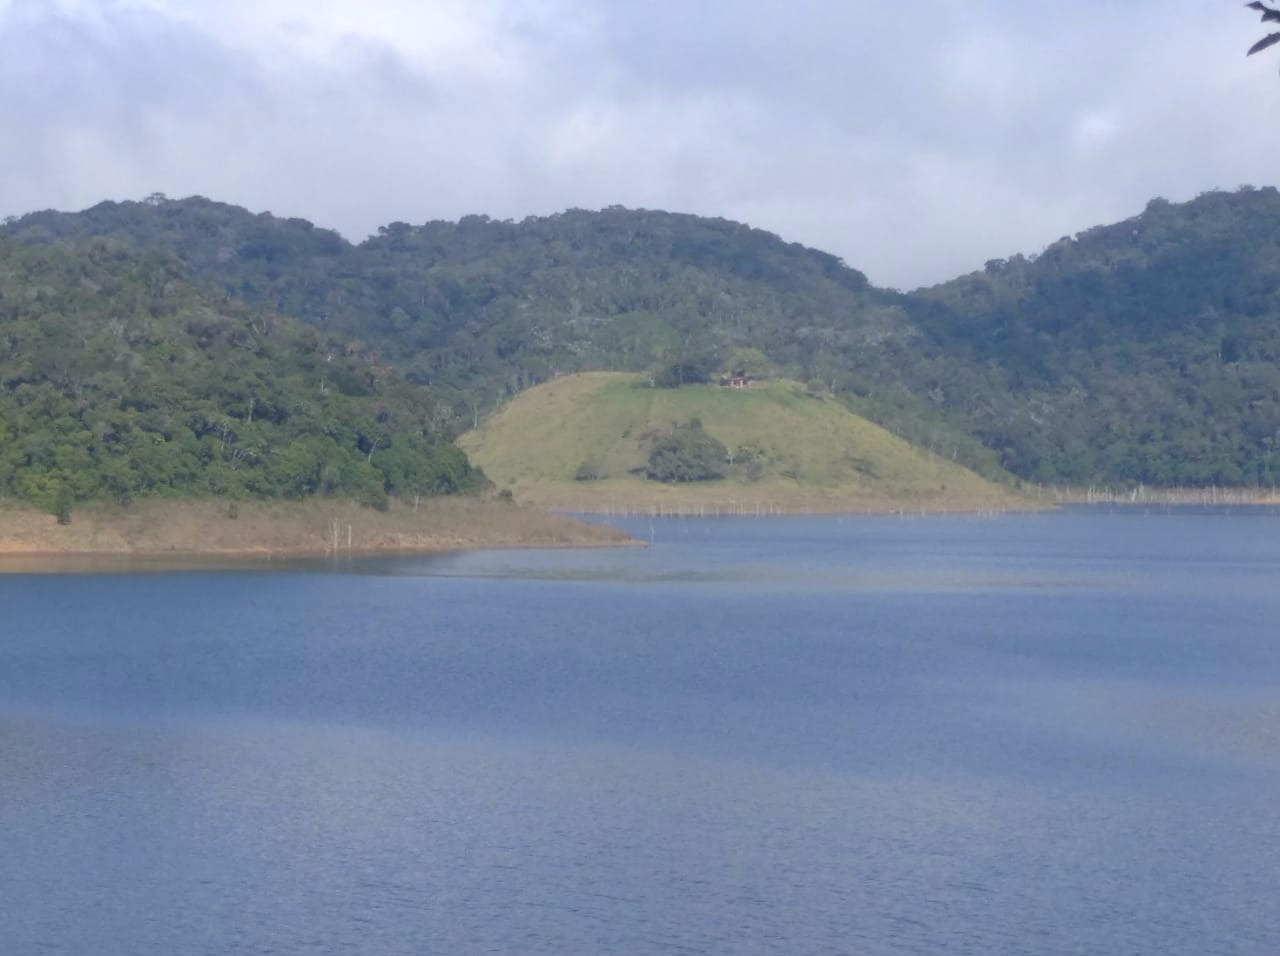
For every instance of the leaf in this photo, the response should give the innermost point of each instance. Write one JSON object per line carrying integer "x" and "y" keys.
{"x": 1262, "y": 44}
{"x": 1268, "y": 13}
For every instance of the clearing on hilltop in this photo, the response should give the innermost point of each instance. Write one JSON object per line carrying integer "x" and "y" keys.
{"x": 595, "y": 442}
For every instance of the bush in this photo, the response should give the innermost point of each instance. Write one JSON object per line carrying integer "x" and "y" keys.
{"x": 687, "y": 454}
{"x": 750, "y": 460}
{"x": 62, "y": 505}
{"x": 688, "y": 371}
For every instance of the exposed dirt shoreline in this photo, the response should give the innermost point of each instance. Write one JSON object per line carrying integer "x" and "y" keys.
{"x": 212, "y": 532}
{"x": 637, "y": 497}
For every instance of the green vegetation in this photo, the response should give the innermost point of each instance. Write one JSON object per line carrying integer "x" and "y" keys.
{"x": 749, "y": 363}
{"x": 1144, "y": 352}
{"x": 687, "y": 453}
{"x": 679, "y": 372}
{"x": 119, "y": 380}
{"x": 482, "y": 309}
{"x": 772, "y": 442}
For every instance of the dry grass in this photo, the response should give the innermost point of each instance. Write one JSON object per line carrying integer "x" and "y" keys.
{"x": 277, "y": 528}
{"x": 630, "y": 496}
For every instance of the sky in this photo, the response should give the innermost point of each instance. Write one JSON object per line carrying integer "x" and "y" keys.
{"x": 916, "y": 141}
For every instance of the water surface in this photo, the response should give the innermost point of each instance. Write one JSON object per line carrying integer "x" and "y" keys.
{"x": 1041, "y": 734}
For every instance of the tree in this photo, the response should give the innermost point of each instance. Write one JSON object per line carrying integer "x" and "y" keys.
{"x": 687, "y": 454}
{"x": 684, "y": 370}
{"x": 749, "y": 362}
{"x": 1270, "y": 14}
{"x": 112, "y": 390}
{"x": 591, "y": 470}
{"x": 62, "y": 504}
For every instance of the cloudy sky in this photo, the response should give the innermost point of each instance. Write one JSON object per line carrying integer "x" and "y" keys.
{"x": 916, "y": 140}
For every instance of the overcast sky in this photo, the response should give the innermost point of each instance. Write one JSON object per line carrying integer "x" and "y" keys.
{"x": 915, "y": 140}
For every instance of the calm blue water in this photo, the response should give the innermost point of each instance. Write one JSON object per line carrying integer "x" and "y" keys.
{"x": 1042, "y": 734}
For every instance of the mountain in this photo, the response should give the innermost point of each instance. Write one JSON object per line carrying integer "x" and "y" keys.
{"x": 481, "y": 309}
{"x": 592, "y": 440}
{"x": 1138, "y": 352}
{"x": 120, "y": 378}
{"x": 493, "y": 307}
{"x": 1144, "y": 351}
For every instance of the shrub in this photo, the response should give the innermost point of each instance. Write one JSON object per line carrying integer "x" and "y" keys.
{"x": 687, "y": 454}
{"x": 62, "y": 505}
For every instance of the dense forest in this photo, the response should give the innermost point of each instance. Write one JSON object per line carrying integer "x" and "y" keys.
{"x": 1139, "y": 352}
{"x": 481, "y": 309}
{"x": 120, "y": 378}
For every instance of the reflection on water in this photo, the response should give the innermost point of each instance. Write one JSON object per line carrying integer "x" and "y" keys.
{"x": 1039, "y": 734}
{"x": 1109, "y": 549}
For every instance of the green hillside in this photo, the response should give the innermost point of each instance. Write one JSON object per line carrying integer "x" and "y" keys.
{"x": 1144, "y": 351}
{"x": 481, "y": 309}
{"x": 121, "y": 379}
{"x": 584, "y": 440}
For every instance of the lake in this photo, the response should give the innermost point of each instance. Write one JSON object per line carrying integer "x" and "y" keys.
{"x": 1029, "y": 734}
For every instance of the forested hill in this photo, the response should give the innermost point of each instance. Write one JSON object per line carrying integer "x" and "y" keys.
{"x": 490, "y": 307}
{"x": 482, "y": 309}
{"x": 1142, "y": 351}
{"x": 120, "y": 378}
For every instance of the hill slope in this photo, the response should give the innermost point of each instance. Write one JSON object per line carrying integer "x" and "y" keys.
{"x": 481, "y": 309}
{"x": 1140, "y": 352}
{"x": 789, "y": 449}
{"x": 1146, "y": 351}
{"x": 121, "y": 379}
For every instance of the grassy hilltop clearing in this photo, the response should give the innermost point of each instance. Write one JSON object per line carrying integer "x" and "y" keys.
{"x": 583, "y": 442}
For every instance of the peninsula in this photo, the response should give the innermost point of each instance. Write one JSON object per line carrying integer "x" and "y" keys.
{"x": 160, "y": 529}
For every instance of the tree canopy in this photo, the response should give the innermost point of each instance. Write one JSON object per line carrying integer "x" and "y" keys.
{"x": 120, "y": 379}
{"x": 1138, "y": 352}
{"x": 687, "y": 453}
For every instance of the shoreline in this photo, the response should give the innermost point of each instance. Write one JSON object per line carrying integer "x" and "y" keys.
{"x": 886, "y": 510}
{"x": 635, "y": 496}
{"x": 213, "y": 532}
{"x": 308, "y": 554}
{"x": 109, "y": 562}
{"x": 638, "y": 498}
{"x": 171, "y": 535}
{"x": 625, "y": 499}
{"x": 1172, "y": 498}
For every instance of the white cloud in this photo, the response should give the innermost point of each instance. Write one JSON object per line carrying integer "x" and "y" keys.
{"x": 914, "y": 142}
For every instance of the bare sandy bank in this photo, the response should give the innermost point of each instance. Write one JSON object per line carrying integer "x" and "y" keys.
{"x": 218, "y": 529}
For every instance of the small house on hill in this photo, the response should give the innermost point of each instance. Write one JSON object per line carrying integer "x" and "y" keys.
{"x": 745, "y": 368}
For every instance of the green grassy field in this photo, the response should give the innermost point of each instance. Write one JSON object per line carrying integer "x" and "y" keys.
{"x": 812, "y": 453}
